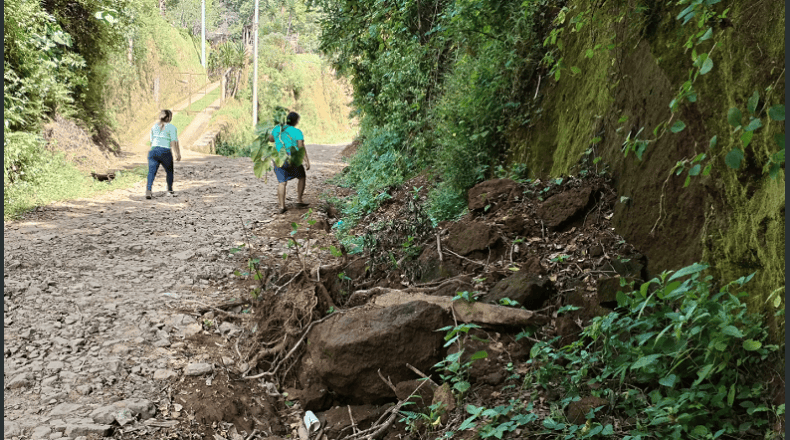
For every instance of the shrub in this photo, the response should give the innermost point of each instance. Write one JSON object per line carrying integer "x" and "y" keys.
{"x": 681, "y": 360}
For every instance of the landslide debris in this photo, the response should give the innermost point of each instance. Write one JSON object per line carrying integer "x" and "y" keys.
{"x": 350, "y": 335}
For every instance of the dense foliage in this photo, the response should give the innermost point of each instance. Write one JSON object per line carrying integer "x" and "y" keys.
{"x": 437, "y": 83}
{"x": 679, "y": 360}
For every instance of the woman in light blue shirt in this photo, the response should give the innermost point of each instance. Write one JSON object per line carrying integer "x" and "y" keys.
{"x": 164, "y": 140}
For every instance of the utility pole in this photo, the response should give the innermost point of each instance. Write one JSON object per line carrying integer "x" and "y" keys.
{"x": 255, "y": 68}
{"x": 203, "y": 33}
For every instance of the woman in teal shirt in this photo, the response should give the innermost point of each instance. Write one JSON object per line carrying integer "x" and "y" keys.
{"x": 164, "y": 140}
{"x": 292, "y": 139}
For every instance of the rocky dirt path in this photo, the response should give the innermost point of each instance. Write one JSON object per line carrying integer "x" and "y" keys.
{"x": 90, "y": 288}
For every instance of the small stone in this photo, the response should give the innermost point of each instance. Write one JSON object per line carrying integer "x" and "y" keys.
{"x": 227, "y": 361}
{"x": 198, "y": 369}
{"x": 55, "y": 435}
{"x": 191, "y": 330}
{"x": 21, "y": 381}
{"x": 64, "y": 409}
{"x": 120, "y": 349}
{"x": 142, "y": 407}
{"x": 84, "y": 389}
{"x": 162, "y": 343}
{"x": 87, "y": 429}
{"x": 186, "y": 255}
{"x": 163, "y": 374}
{"x": 229, "y": 328}
{"x": 41, "y": 432}
{"x": 11, "y": 429}
{"x": 124, "y": 416}
{"x": 55, "y": 366}
{"x": 104, "y": 415}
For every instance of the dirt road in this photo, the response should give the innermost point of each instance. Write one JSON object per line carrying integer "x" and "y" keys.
{"x": 91, "y": 286}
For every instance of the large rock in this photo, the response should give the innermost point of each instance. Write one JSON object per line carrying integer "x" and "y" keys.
{"x": 563, "y": 208}
{"x": 467, "y": 237}
{"x": 527, "y": 289}
{"x": 488, "y": 315}
{"x": 345, "y": 353}
{"x": 490, "y": 192}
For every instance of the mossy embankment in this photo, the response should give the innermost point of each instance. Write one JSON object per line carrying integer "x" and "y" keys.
{"x": 733, "y": 218}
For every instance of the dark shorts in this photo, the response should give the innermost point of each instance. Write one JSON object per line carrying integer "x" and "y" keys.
{"x": 287, "y": 172}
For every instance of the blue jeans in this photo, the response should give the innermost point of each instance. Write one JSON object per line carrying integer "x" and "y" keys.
{"x": 156, "y": 156}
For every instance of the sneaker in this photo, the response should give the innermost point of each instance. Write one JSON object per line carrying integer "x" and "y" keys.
{"x": 172, "y": 193}
{"x": 148, "y": 195}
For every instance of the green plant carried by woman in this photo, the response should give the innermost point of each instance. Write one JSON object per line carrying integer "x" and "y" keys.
{"x": 287, "y": 156}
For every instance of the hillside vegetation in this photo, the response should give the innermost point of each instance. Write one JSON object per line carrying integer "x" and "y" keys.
{"x": 86, "y": 79}
{"x": 680, "y": 102}
{"x": 97, "y": 73}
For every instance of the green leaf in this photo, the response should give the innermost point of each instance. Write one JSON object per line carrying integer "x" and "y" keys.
{"x": 702, "y": 374}
{"x": 754, "y": 124}
{"x": 731, "y": 330}
{"x": 549, "y": 423}
{"x": 677, "y": 127}
{"x": 713, "y": 141}
{"x": 468, "y": 423}
{"x": 695, "y": 170}
{"x": 707, "y": 169}
{"x": 751, "y": 345}
{"x": 746, "y": 138}
{"x": 258, "y": 169}
{"x": 688, "y": 270}
{"x": 734, "y": 158}
{"x": 707, "y": 35}
{"x": 779, "y": 138}
{"x": 731, "y": 395}
{"x": 668, "y": 381}
{"x": 622, "y": 299}
{"x": 700, "y": 430}
{"x": 777, "y": 113}
{"x": 589, "y": 53}
{"x": 462, "y": 386}
{"x": 707, "y": 65}
{"x": 734, "y": 117}
{"x": 607, "y": 430}
{"x": 753, "y": 101}
{"x": 482, "y": 354}
{"x": 645, "y": 361}
{"x": 687, "y": 182}
{"x": 595, "y": 430}
{"x": 575, "y": 70}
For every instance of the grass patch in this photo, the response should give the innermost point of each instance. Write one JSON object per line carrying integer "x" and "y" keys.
{"x": 60, "y": 181}
{"x": 182, "y": 119}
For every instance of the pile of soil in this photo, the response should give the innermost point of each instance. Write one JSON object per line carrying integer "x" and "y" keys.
{"x": 341, "y": 334}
